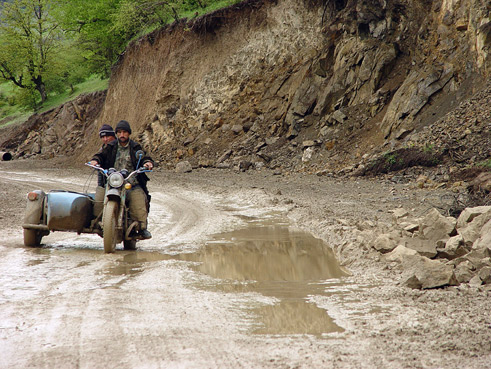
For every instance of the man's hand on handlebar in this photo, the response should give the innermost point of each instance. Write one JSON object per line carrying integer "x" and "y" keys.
{"x": 94, "y": 163}
{"x": 148, "y": 165}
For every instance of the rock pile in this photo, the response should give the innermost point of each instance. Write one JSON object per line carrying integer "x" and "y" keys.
{"x": 62, "y": 131}
{"x": 437, "y": 251}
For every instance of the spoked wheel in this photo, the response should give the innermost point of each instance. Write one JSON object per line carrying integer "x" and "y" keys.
{"x": 109, "y": 226}
{"x": 32, "y": 237}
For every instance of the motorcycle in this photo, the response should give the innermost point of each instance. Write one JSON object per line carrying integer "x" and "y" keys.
{"x": 60, "y": 210}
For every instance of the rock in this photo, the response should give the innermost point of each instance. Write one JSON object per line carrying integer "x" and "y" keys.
{"x": 475, "y": 281}
{"x": 485, "y": 275}
{"x": 435, "y": 226}
{"x": 183, "y": 167}
{"x": 244, "y": 165}
{"x": 482, "y": 182}
{"x": 399, "y": 213}
{"x": 483, "y": 243}
{"x": 224, "y": 156}
{"x": 421, "y": 246}
{"x": 308, "y": 143}
{"x": 468, "y": 215}
{"x": 474, "y": 230}
{"x": 412, "y": 96}
{"x": 426, "y": 273}
{"x": 384, "y": 243}
{"x": 454, "y": 248}
{"x": 339, "y": 116}
{"x": 464, "y": 272}
{"x": 410, "y": 227}
{"x": 307, "y": 154}
{"x": 237, "y": 128}
{"x": 399, "y": 253}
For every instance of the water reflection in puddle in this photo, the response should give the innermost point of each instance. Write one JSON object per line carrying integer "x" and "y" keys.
{"x": 289, "y": 267}
{"x": 278, "y": 262}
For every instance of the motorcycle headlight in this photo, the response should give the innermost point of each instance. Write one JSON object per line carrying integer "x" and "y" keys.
{"x": 116, "y": 180}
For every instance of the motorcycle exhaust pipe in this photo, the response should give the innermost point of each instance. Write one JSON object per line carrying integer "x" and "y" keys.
{"x": 5, "y": 156}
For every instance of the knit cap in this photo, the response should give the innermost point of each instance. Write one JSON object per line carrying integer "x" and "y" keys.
{"x": 123, "y": 126}
{"x": 106, "y": 130}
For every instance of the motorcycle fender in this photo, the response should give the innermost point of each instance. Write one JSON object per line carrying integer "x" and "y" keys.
{"x": 34, "y": 208}
{"x": 113, "y": 194}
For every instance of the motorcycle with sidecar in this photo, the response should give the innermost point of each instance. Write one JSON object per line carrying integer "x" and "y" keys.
{"x": 59, "y": 210}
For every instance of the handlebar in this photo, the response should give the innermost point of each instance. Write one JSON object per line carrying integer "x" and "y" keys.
{"x": 105, "y": 171}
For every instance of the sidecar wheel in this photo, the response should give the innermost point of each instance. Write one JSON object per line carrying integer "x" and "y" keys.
{"x": 32, "y": 238}
{"x": 129, "y": 244}
{"x": 109, "y": 226}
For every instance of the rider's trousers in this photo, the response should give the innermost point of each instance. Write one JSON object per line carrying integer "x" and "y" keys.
{"x": 138, "y": 206}
{"x": 99, "y": 200}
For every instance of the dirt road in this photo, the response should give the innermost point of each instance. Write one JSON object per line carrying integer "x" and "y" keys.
{"x": 229, "y": 280}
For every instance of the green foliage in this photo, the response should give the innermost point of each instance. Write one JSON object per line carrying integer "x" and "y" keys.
{"x": 29, "y": 39}
{"x": 429, "y": 148}
{"x": 48, "y": 47}
{"x": 485, "y": 164}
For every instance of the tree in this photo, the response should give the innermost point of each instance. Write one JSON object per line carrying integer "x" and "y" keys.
{"x": 90, "y": 24}
{"x": 30, "y": 39}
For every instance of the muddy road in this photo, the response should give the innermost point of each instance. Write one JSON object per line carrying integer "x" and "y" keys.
{"x": 243, "y": 270}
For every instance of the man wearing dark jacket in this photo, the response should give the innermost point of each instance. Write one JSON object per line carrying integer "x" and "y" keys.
{"x": 106, "y": 133}
{"x": 120, "y": 154}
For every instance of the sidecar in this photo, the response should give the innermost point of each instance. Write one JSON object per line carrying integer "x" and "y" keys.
{"x": 57, "y": 210}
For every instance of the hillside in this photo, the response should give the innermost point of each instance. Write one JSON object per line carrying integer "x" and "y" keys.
{"x": 295, "y": 86}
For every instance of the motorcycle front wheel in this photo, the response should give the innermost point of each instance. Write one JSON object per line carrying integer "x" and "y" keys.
{"x": 32, "y": 237}
{"x": 109, "y": 226}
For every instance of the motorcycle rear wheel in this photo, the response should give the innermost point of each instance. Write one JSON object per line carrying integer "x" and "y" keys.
{"x": 109, "y": 226}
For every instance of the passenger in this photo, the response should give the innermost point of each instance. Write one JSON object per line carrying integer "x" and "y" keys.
{"x": 106, "y": 133}
{"x": 120, "y": 154}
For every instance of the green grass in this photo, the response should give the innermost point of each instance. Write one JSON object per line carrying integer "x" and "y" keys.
{"x": 15, "y": 114}
{"x": 190, "y": 14}
{"x": 91, "y": 85}
{"x": 485, "y": 164}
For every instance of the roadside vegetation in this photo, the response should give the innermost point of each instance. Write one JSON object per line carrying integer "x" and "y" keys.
{"x": 53, "y": 50}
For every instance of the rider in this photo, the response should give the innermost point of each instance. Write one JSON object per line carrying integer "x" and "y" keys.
{"x": 106, "y": 133}
{"x": 120, "y": 154}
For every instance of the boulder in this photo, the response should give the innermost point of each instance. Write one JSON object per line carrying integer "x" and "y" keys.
{"x": 399, "y": 253}
{"x": 468, "y": 215}
{"x": 453, "y": 248}
{"x": 474, "y": 230}
{"x": 435, "y": 226}
{"x": 421, "y": 246}
{"x": 464, "y": 272}
{"x": 183, "y": 167}
{"x": 421, "y": 272}
{"x": 485, "y": 275}
{"x": 475, "y": 281}
{"x": 483, "y": 243}
{"x": 384, "y": 243}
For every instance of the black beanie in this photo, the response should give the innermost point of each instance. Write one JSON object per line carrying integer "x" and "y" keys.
{"x": 106, "y": 130}
{"x": 123, "y": 126}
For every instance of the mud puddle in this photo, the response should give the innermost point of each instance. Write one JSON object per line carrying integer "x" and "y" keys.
{"x": 286, "y": 266}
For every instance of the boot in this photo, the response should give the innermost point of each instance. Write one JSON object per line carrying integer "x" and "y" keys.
{"x": 145, "y": 234}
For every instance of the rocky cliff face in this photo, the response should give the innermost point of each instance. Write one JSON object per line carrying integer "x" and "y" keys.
{"x": 301, "y": 85}
{"x": 264, "y": 81}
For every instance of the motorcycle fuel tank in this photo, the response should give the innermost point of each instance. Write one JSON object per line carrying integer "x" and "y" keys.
{"x": 68, "y": 211}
